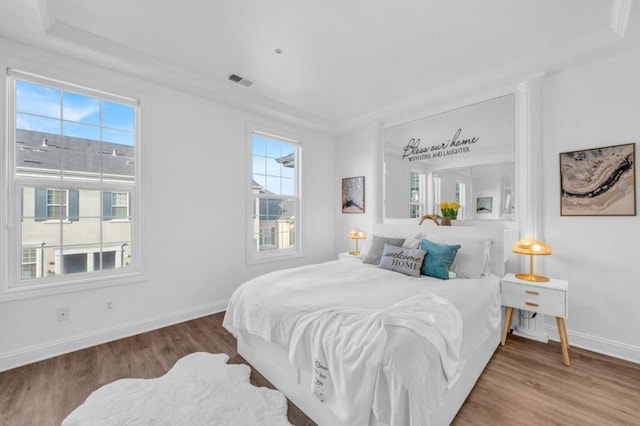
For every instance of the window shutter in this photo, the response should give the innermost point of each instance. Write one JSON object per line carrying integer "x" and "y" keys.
{"x": 41, "y": 204}
{"x": 74, "y": 205}
{"x": 106, "y": 206}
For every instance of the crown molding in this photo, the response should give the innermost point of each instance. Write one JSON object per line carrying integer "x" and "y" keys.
{"x": 148, "y": 67}
{"x": 151, "y": 68}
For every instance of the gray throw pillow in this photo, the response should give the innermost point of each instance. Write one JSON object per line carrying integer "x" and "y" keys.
{"x": 404, "y": 260}
{"x": 377, "y": 246}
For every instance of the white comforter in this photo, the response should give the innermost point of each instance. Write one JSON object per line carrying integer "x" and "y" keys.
{"x": 410, "y": 377}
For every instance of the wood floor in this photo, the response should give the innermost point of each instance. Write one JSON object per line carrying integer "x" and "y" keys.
{"x": 524, "y": 384}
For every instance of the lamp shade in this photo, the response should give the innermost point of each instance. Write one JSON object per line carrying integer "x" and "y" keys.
{"x": 532, "y": 247}
{"x": 357, "y": 234}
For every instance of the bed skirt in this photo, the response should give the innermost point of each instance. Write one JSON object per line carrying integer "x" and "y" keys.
{"x": 272, "y": 361}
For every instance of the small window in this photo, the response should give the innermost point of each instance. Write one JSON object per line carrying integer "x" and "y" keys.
{"x": 417, "y": 194}
{"x": 120, "y": 205}
{"x": 274, "y": 195}
{"x": 56, "y": 203}
{"x": 29, "y": 263}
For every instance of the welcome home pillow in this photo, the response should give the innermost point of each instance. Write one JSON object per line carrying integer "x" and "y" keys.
{"x": 439, "y": 259}
{"x": 401, "y": 259}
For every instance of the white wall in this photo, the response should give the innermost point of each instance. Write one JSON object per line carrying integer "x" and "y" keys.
{"x": 355, "y": 156}
{"x": 593, "y": 106}
{"x": 194, "y": 183}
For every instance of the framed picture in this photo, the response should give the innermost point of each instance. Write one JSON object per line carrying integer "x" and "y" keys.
{"x": 598, "y": 181}
{"x": 484, "y": 204}
{"x": 353, "y": 195}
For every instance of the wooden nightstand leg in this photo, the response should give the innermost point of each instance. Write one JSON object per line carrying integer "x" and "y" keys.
{"x": 506, "y": 325}
{"x": 564, "y": 342}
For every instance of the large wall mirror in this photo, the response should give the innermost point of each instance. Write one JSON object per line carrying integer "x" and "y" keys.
{"x": 465, "y": 156}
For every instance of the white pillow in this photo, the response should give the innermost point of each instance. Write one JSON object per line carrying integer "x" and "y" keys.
{"x": 412, "y": 241}
{"x": 473, "y": 260}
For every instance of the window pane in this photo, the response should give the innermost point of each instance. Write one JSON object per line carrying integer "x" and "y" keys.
{"x": 35, "y": 99}
{"x": 86, "y": 231}
{"x": 81, "y": 160}
{"x": 116, "y": 233}
{"x": 288, "y": 172}
{"x": 38, "y": 154}
{"x": 118, "y": 136}
{"x": 274, "y": 185}
{"x": 82, "y": 131}
{"x": 288, "y": 186}
{"x": 273, "y": 167}
{"x": 37, "y": 124}
{"x": 273, "y": 149}
{"x": 39, "y": 233}
{"x": 118, "y": 163}
{"x": 89, "y": 202}
{"x": 80, "y": 108}
{"x": 259, "y": 145}
{"x": 259, "y": 165}
{"x": 118, "y": 116}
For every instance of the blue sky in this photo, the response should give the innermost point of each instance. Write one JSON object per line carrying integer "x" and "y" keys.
{"x": 267, "y": 172}
{"x": 44, "y": 109}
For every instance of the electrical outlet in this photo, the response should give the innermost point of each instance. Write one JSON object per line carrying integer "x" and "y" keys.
{"x": 63, "y": 314}
{"x": 109, "y": 306}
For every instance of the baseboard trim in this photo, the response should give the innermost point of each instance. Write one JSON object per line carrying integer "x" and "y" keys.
{"x": 37, "y": 353}
{"x": 597, "y": 344}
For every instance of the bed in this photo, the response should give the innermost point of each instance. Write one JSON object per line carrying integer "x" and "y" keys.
{"x": 290, "y": 326}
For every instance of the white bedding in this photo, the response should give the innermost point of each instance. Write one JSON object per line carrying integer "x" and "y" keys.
{"x": 410, "y": 380}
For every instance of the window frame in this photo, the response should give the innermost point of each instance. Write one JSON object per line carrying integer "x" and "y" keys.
{"x": 286, "y": 136}
{"x": 15, "y": 287}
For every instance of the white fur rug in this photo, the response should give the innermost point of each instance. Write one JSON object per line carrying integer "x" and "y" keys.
{"x": 200, "y": 389}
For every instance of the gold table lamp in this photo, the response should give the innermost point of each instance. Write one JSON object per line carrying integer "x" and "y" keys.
{"x": 356, "y": 234}
{"x": 532, "y": 247}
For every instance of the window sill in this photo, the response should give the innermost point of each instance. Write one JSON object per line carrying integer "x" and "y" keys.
{"x": 61, "y": 287}
{"x": 276, "y": 257}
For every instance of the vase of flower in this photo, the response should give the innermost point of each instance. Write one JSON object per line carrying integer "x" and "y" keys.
{"x": 449, "y": 212}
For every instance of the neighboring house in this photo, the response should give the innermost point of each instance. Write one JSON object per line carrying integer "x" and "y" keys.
{"x": 62, "y": 227}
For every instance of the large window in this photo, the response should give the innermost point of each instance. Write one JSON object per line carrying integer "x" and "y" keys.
{"x": 274, "y": 195}
{"x": 73, "y": 154}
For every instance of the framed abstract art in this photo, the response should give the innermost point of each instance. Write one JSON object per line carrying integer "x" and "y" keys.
{"x": 598, "y": 181}
{"x": 353, "y": 195}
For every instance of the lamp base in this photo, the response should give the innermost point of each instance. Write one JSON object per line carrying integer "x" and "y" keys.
{"x": 532, "y": 277}
{"x": 354, "y": 253}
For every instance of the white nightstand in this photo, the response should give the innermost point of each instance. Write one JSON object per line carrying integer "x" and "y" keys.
{"x": 347, "y": 256}
{"x": 550, "y": 298}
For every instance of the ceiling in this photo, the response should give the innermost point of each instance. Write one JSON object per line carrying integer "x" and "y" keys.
{"x": 341, "y": 61}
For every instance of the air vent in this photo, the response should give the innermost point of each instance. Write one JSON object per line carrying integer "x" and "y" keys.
{"x": 240, "y": 80}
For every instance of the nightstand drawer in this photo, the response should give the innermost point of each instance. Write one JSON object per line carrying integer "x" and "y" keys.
{"x": 533, "y": 293}
{"x": 543, "y": 306}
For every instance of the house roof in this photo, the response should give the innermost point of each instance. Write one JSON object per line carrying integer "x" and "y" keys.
{"x": 43, "y": 154}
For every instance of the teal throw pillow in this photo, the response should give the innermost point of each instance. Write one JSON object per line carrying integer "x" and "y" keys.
{"x": 438, "y": 259}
